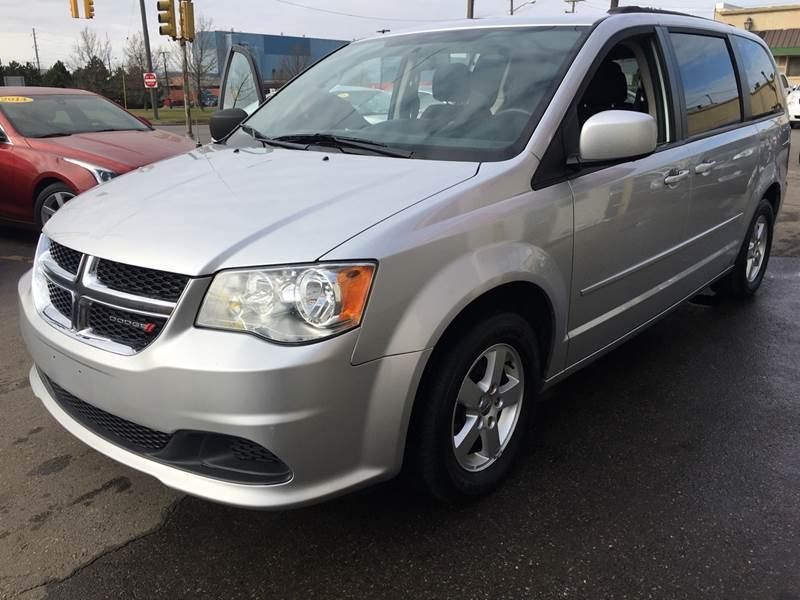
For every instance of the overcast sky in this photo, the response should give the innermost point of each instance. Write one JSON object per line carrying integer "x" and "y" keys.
{"x": 56, "y": 31}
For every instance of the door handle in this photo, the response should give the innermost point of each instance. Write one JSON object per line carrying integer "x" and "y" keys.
{"x": 704, "y": 168}
{"x": 676, "y": 176}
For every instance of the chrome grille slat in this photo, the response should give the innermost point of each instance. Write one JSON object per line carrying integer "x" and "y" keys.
{"x": 113, "y": 319}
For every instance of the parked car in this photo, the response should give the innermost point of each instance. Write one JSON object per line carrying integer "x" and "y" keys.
{"x": 793, "y": 105}
{"x": 317, "y": 299}
{"x": 56, "y": 143}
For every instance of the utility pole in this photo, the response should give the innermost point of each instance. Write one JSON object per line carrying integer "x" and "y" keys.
{"x": 187, "y": 35}
{"x": 146, "y": 37}
{"x": 186, "y": 111}
{"x": 573, "y": 3}
{"x": 614, "y": 4}
{"x": 36, "y": 49}
{"x": 470, "y": 9}
{"x": 124, "y": 89}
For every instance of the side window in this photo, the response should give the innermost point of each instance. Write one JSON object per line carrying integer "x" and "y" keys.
{"x": 629, "y": 78}
{"x": 762, "y": 81}
{"x": 240, "y": 85}
{"x": 709, "y": 82}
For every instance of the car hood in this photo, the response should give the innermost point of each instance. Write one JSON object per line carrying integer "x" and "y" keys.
{"x": 218, "y": 207}
{"x": 123, "y": 150}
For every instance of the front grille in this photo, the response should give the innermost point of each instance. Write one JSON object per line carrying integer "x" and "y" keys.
{"x": 110, "y": 305}
{"x": 141, "y": 281}
{"x": 61, "y": 299}
{"x": 116, "y": 429}
{"x": 250, "y": 451}
{"x": 66, "y": 258}
{"x": 129, "y": 329}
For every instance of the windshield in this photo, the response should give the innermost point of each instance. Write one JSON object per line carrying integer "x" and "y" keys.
{"x": 473, "y": 94}
{"x": 66, "y": 114}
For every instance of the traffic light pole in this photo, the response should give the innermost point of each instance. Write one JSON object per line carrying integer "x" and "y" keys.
{"x": 186, "y": 111}
{"x": 146, "y": 37}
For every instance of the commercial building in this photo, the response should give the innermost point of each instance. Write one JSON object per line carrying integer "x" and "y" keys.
{"x": 278, "y": 57}
{"x": 779, "y": 26}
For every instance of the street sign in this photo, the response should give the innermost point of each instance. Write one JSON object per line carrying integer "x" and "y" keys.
{"x": 150, "y": 80}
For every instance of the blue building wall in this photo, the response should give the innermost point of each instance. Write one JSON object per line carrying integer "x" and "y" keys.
{"x": 270, "y": 51}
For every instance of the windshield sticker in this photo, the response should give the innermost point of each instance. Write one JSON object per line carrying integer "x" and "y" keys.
{"x": 15, "y": 99}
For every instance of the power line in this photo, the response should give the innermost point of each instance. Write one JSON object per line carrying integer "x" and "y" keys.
{"x": 369, "y": 18}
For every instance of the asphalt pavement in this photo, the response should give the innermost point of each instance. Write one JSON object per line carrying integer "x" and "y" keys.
{"x": 668, "y": 469}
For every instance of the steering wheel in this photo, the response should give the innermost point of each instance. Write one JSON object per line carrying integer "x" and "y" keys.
{"x": 514, "y": 111}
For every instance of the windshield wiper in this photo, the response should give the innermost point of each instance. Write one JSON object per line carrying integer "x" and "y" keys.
{"x": 257, "y": 135}
{"x": 54, "y": 134}
{"x": 326, "y": 139}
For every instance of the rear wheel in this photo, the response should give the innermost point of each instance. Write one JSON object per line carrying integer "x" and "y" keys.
{"x": 50, "y": 200}
{"x": 751, "y": 263}
{"x": 475, "y": 407}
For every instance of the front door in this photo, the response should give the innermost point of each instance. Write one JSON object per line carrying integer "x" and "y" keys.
{"x": 630, "y": 217}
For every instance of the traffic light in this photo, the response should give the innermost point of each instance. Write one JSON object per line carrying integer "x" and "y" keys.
{"x": 73, "y": 9}
{"x": 187, "y": 20}
{"x": 166, "y": 16}
{"x": 88, "y": 9}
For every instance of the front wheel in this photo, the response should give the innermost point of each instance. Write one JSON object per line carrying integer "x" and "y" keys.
{"x": 475, "y": 407}
{"x": 49, "y": 200}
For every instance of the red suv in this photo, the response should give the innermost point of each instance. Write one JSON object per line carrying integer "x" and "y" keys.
{"x": 56, "y": 143}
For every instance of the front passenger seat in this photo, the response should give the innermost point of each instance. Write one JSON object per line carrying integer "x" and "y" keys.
{"x": 607, "y": 90}
{"x": 450, "y": 86}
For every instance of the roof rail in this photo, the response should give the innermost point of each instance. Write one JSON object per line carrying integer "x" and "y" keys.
{"x": 646, "y": 9}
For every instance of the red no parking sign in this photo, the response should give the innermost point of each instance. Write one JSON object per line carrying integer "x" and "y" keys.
{"x": 150, "y": 80}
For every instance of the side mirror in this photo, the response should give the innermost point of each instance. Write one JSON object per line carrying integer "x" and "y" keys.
{"x": 223, "y": 122}
{"x": 617, "y": 134}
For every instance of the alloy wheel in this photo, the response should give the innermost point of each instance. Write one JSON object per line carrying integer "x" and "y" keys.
{"x": 52, "y": 203}
{"x": 757, "y": 249}
{"x": 488, "y": 407}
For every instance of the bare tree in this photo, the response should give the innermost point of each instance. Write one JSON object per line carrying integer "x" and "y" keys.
{"x": 135, "y": 54}
{"x": 88, "y": 46}
{"x": 202, "y": 57}
{"x": 293, "y": 63}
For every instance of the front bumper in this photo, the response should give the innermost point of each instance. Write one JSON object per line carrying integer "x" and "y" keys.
{"x": 336, "y": 425}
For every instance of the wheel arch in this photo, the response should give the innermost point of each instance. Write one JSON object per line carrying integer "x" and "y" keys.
{"x": 773, "y": 195}
{"x": 523, "y": 297}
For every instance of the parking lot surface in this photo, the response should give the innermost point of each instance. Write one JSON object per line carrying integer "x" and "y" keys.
{"x": 668, "y": 469}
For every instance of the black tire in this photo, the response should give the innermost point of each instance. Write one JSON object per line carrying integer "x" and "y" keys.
{"x": 53, "y": 188}
{"x": 430, "y": 452}
{"x": 736, "y": 284}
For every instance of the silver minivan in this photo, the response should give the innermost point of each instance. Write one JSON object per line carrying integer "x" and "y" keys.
{"x": 320, "y": 299}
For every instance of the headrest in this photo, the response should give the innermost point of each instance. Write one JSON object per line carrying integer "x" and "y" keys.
{"x": 451, "y": 83}
{"x": 485, "y": 80}
{"x": 609, "y": 86}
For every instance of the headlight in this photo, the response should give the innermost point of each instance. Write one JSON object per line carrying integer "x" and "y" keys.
{"x": 41, "y": 296}
{"x": 289, "y": 304}
{"x": 101, "y": 175}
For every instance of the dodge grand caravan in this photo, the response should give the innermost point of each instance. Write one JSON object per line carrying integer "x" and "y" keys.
{"x": 318, "y": 299}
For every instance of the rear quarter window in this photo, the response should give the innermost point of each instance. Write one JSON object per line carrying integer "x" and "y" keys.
{"x": 709, "y": 81}
{"x": 762, "y": 80}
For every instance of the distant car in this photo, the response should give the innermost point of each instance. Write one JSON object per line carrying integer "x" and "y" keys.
{"x": 371, "y": 103}
{"x": 793, "y": 107}
{"x": 56, "y": 143}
